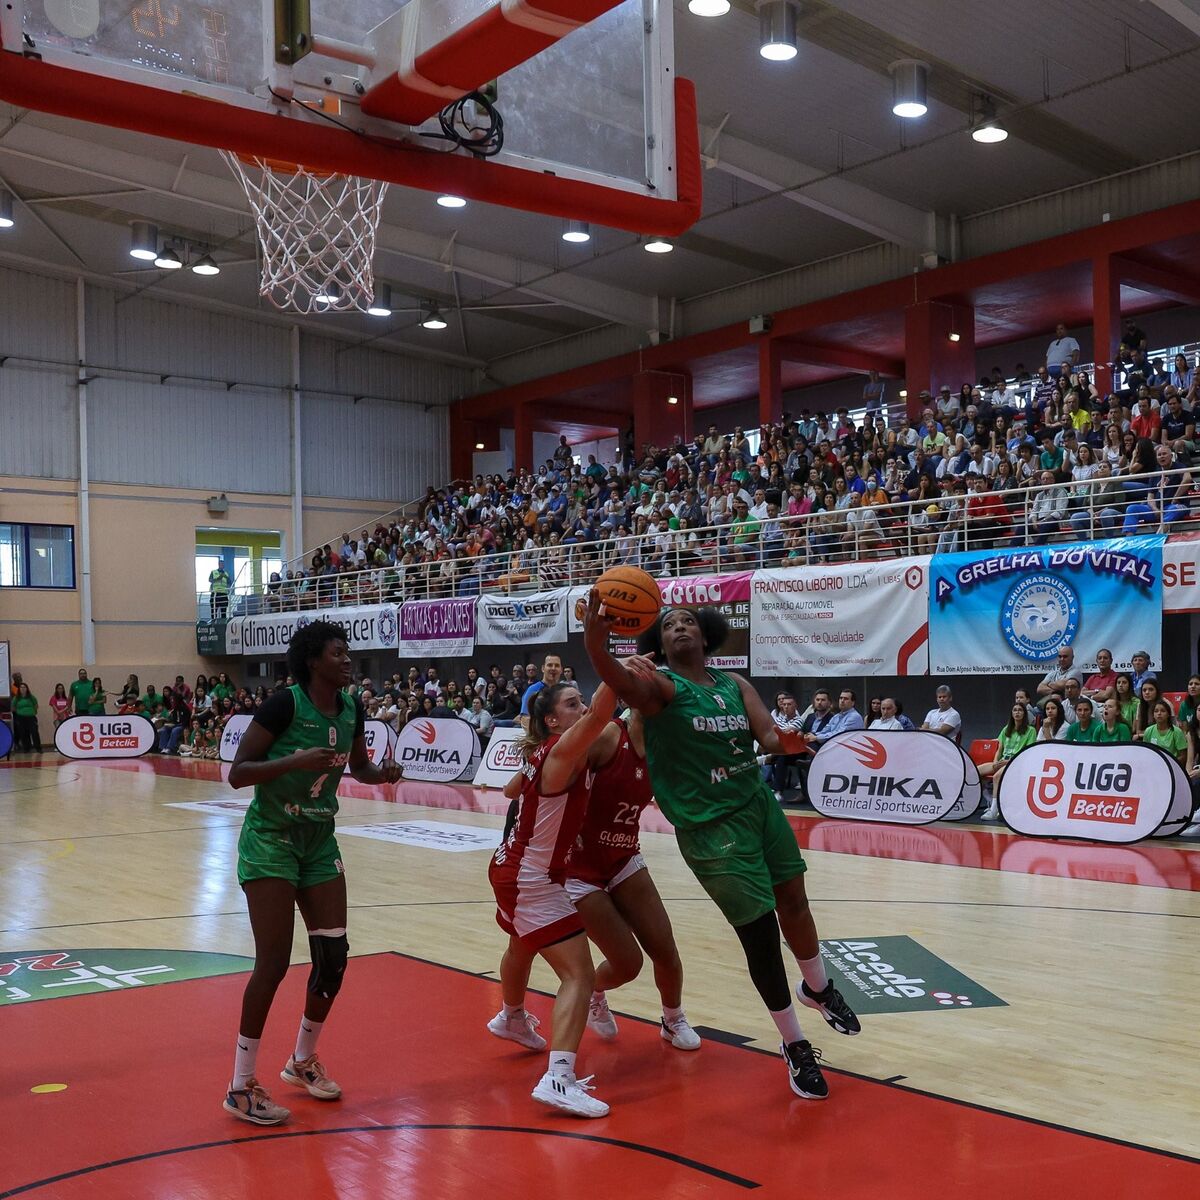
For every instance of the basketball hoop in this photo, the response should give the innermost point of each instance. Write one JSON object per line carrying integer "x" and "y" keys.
{"x": 316, "y": 231}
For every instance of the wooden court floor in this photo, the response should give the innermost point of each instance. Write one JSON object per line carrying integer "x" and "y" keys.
{"x": 1063, "y": 1053}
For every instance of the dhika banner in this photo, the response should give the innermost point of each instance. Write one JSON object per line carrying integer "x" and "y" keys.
{"x": 522, "y": 620}
{"x": 502, "y": 759}
{"x": 370, "y": 627}
{"x": 104, "y": 737}
{"x": 1092, "y": 791}
{"x": 900, "y": 777}
{"x": 861, "y": 619}
{"x": 437, "y": 628}
{"x": 1011, "y": 610}
{"x": 437, "y": 750}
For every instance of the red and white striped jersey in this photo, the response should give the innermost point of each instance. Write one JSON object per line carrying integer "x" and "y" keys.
{"x": 609, "y": 837}
{"x": 546, "y": 826}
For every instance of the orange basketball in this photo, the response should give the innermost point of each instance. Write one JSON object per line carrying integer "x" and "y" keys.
{"x": 631, "y": 597}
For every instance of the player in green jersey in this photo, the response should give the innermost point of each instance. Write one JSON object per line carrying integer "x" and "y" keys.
{"x": 294, "y": 752}
{"x": 701, "y": 726}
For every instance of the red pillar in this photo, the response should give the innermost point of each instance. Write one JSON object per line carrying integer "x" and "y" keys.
{"x": 1106, "y": 319}
{"x": 931, "y": 357}
{"x": 523, "y": 437}
{"x": 462, "y": 446}
{"x": 770, "y": 382}
{"x": 656, "y": 420}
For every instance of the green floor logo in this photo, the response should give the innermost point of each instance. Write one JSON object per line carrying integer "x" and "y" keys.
{"x": 895, "y": 974}
{"x": 46, "y": 974}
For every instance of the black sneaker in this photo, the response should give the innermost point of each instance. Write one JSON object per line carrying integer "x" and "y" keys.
{"x": 832, "y": 1006}
{"x": 804, "y": 1071}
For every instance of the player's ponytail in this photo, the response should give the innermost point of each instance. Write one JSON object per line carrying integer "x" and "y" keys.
{"x": 540, "y": 707}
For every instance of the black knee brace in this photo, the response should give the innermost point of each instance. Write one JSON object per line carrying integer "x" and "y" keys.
{"x": 329, "y": 956}
{"x": 760, "y": 941}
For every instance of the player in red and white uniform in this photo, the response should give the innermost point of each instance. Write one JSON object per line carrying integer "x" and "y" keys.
{"x": 527, "y": 874}
{"x": 612, "y": 889}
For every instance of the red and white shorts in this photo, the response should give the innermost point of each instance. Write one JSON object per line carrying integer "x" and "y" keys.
{"x": 578, "y": 888}
{"x": 537, "y": 912}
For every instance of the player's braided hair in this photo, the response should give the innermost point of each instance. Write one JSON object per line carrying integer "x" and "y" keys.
{"x": 540, "y": 707}
{"x": 309, "y": 643}
{"x": 714, "y": 629}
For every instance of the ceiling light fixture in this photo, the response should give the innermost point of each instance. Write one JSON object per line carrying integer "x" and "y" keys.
{"x": 910, "y": 88}
{"x": 381, "y": 304}
{"x": 708, "y": 8}
{"x": 672, "y": 399}
{"x": 143, "y": 241}
{"x": 478, "y": 445}
{"x": 777, "y": 30}
{"x": 168, "y": 260}
{"x": 452, "y": 202}
{"x": 657, "y": 245}
{"x": 206, "y": 266}
{"x": 988, "y": 129}
{"x": 433, "y": 319}
{"x": 955, "y": 337}
{"x": 577, "y": 232}
{"x": 903, "y": 393}
{"x": 6, "y": 209}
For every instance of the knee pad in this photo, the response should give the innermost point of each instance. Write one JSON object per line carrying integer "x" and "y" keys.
{"x": 329, "y": 955}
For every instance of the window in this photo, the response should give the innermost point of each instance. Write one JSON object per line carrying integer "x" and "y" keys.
{"x": 205, "y": 564}
{"x": 37, "y": 556}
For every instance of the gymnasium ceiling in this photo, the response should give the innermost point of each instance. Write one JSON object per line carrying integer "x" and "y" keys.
{"x": 1090, "y": 88}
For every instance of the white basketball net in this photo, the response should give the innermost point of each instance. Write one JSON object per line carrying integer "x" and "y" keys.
{"x": 317, "y": 235}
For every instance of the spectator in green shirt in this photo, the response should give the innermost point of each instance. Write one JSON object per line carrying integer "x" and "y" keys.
{"x": 743, "y": 532}
{"x": 152, "y": 703}
{"x": 1191, "y": 702}
{"x": 1165, "y": 734}
{"x": 222, "y": 688}
{"x": 1084, "y": 728}
{"x": 1112, "y": 728}
{"x": 25, "y": 726}
{"x": 1012, "y": 739}
{"x": 81, "y": 693}
{"x": 1051, "y": 457}
{"x": 1126, "y": 699}
{"x": 98, "y": 700}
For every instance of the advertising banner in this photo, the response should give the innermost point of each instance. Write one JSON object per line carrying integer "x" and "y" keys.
{"x": 437, "y": 750}
{"x": 1181, "y": 574}
{"x": 891, "y": 775}
{"x": 104, "y": 737}
{"x": 371, "y": 627}
{"x": 5, "y": 670}
{"x": 522, "y": 620}
{"x": 380, "y": 738}
{"x": 231, "y": 735}
{"x": 210, "y": 639}
{"x": 862, "y": 619}
{"x": 502, "y": 759}
{"x": 1095, "y": 792}
{"x": 6, "y": 739}
{"x": 972, "y": 792}
{"x": 437, "y": 628}
{"x": 1011, "y": 610}
{"x": 1180, "y": 813}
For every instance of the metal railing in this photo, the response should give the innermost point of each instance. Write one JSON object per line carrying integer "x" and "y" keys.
{"x": 1071, "y": 511}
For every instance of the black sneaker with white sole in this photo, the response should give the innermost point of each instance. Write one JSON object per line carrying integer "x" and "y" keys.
{"x": 804, "y": 1070}
{"x": 831, "y": 1004}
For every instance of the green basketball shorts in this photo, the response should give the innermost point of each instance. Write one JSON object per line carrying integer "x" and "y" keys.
{"x": 741, "y": 858}
{"x": 305, "y": 853}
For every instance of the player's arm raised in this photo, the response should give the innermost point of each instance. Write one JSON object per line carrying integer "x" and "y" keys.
{"x": 564, "y": 761}
{"x": 649, "y": 692}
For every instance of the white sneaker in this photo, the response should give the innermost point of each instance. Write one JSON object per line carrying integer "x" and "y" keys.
{"x": 252, "y": 1103}
{"x": 600, "y": 1019}
{"x": 679, "y": 1033}
{"x": 310, "y": 1074}
{"x": 992, "y": 813}
{"x": 570, "y": 1095}
{"x": 521, "y": 1028}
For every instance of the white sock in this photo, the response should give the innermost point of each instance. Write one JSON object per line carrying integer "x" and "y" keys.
{"x": 562, "y": 1062}
{"x": 813, "y": 970}
{"x": 244, "y": 1061}
{"x": 306, "y": 1038}
{"x": 671, "y": 1014}
{"x": 788, "y": 1025}
{"x": 514, "y": 1010}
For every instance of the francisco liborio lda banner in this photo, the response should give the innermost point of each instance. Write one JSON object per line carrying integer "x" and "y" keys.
{"x": 1011, "y": 610}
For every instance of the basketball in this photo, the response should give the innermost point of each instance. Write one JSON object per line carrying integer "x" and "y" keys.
{"x": 631, "y": 597}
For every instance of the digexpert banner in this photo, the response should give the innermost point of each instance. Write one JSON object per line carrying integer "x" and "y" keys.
{"x": 522, "y": 620}
{"x": 371, "y": 627}
{"x": 861, "y": 619}
{"x": 437, "y": 628}
{"x": 1011, "y": 610}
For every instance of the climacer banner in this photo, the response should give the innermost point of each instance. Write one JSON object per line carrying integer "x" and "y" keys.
{"x": 371, "y": 627}
{"x": 437, "y": 628}
{"x": 861, "y": 619}
{"x": 1011, "y": 610}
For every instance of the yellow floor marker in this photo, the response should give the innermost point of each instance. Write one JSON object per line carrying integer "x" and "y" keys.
{"x": 43, "y": 1089}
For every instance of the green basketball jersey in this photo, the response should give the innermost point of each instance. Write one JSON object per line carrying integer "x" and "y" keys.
{"x": 307, "y": 795}
{"x": 701, "y": 752}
